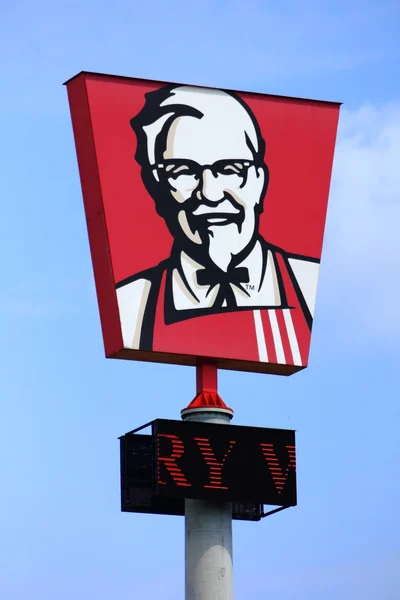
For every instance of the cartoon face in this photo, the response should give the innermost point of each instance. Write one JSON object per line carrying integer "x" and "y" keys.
{"x": 211, "y": 174}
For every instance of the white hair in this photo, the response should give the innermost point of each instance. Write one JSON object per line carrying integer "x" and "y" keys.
{"x": 225, "y": 109}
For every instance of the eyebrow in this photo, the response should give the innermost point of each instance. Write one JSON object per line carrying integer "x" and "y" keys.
{"x": 177, "y": 168}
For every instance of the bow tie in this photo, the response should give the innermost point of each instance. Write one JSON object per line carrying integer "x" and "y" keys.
{"x": 215, "y": 276}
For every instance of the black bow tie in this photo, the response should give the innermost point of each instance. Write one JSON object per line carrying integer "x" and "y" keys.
{"x": 215, "y": 276}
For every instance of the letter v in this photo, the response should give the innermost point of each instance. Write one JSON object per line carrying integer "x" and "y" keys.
{"x": 279, "y": 477}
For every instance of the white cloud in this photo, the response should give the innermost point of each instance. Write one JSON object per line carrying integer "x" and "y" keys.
{"x": 361, "y": 262}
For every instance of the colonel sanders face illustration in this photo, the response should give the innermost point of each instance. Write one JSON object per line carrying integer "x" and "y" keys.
{"x": 202, "y": 159}
{"x": 201, "y": 154}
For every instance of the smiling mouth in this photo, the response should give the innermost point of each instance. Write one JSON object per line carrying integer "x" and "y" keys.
{"x": 218, "y": 218}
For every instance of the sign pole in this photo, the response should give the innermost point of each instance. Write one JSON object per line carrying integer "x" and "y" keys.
{"x": 208, "y": 524}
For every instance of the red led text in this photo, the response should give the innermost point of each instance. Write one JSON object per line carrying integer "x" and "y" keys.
{"x": 278, "y": 475}
{"x": 169, "y": 462}
{"x": 213, "y": 464}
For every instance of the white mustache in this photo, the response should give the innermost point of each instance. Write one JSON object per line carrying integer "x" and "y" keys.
{"x": 223, "y": 207}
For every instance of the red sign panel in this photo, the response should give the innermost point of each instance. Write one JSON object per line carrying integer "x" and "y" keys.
{"x": 205, "y": 211}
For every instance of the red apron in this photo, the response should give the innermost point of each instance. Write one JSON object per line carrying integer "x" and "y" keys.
{"x": 275, "y": 335}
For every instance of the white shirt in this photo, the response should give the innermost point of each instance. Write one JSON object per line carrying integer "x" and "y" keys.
{"x": 262, "y": 289}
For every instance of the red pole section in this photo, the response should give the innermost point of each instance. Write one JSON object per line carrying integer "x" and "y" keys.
{"x": 206, "y": 377}
{"x": 207, "y": 396}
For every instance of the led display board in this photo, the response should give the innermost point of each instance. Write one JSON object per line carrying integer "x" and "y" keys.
{"x": 248, "y": 465}
{"x": 205, "y": 211}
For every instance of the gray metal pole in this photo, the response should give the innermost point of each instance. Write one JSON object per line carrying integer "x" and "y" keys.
{"x": 208, "y": 534}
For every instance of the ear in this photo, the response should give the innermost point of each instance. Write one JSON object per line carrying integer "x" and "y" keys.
{"x": 263, "y": 173}
{"x": 260, "y": 172}
{"x": 154, "y": 188}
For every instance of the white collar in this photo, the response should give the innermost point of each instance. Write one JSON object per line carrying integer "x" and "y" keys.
{"x": 262, "y": 289}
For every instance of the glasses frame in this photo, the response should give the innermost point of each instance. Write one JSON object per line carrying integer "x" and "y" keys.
{"x": 198, "y": 170}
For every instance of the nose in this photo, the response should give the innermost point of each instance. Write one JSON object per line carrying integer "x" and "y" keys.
{"x": 211, "y": 188}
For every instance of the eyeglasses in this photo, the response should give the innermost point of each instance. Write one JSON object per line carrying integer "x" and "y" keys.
{"x": 174, "y": 168}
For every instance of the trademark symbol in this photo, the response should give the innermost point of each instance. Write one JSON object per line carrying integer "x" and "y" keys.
{"x": 249, "y": 287}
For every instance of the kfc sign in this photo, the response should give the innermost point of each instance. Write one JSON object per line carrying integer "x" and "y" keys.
{"x": 205, "y": 211}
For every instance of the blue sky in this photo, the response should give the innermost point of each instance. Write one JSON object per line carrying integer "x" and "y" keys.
{"x": 64, "y": 405}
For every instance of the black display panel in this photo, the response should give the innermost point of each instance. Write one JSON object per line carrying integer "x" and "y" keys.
{"x": 248, "y": 466}
{"x": 224, "y": 462}
{"x": 138, "y": 484}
